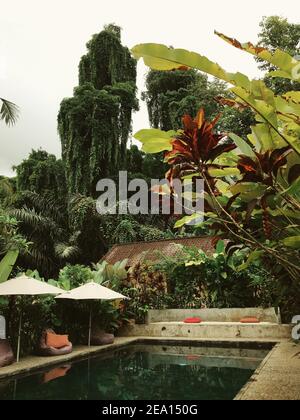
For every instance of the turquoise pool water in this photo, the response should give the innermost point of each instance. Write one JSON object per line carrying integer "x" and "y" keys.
{"x": 142, "y": 372}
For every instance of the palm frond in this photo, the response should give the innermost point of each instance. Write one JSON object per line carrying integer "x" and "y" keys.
{"x": 35, "y": 221}
{"x": 9, "y": 112}
{"x": 66, "y": 252}
{"x": 43, "y": 204}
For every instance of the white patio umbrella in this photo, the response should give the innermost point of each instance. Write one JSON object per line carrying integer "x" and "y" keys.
{"x": 24, "y": 285}
{"x": 91, "y": 291}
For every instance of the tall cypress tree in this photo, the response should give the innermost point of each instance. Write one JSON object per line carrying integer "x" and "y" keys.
{"x": 95, "y": 123}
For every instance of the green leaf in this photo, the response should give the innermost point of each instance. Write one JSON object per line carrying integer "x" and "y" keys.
{"x": 220, "y": 247}
{"x": 253, "y": 256}
{"x": 248, "y": 190}
{"x": 220, "y": 173}
{"x": 242, "y": 145}
{"x": 7, "y": 263}
{"x": 227, "y": 159}
{"x": 264, "y": 138}
{"x": 188, "y": 219}
{"x": 264, "y": 109}
{"x": 292, "y": 96}
{"x": 155, "y": 140}
{"x": 160, "y": 57}
{"x": 223, "y": 187}
{"x": 291, "y": 214}
{"x": 193, "y": 263}
{"x": 294, "y": 188}
{"x": 292, "y": 242}
{"x": 285, "y": 62}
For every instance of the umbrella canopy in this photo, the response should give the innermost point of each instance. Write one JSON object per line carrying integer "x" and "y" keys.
{"x": 25, "y": 285}
{"x": 91, "y": 291}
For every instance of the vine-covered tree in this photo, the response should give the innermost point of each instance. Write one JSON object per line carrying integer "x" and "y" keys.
{"x": 95, "y": 123}
{"x": 165, "y": 90}
{"x": 172, "y": 94}
{"x": 42, "y": 173}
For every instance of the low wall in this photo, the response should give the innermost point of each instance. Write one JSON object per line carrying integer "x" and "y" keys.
{"x": 214, "y": 315}
{"x": 208, "y": 331}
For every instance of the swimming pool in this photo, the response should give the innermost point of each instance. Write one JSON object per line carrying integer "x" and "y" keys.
{"x": 143, "y": 372}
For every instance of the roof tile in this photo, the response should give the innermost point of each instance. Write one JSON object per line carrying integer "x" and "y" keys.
{"x": 137, "y": 251}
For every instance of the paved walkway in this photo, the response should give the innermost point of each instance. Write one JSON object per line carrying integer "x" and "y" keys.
{"x": 36, "y": 362}
{"x": 278, "y": 377}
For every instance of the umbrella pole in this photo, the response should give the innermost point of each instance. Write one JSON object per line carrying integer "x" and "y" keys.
{"x": 90, "y": 326}
{"x": 19, "y": 337}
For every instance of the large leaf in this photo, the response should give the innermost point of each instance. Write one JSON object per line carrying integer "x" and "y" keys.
{"x": 7, "y": 263}
{"x": 242, "y": 145}
{"x": 160, "y": 57}
{"x": 155, "y": 140}
{"x": 285, "y": 62}
{"x": 223, "y": 187}
{"x": 248, "y": 190}
{"x": 264, "y": 138}
{"x": 195, "y": 218}
{"x": 293, "y": 96}
{"x": 294, "y": 188}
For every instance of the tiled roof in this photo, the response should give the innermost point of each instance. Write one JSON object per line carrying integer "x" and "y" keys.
{"x": 137, "y": 251}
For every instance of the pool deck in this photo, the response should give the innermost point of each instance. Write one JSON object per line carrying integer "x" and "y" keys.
{"x": 277, "y": 378}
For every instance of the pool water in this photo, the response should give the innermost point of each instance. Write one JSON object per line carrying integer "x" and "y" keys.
{"x": 142, "y": 372}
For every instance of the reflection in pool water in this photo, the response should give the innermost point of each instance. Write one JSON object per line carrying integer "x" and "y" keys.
{"x": 143, "y": 372}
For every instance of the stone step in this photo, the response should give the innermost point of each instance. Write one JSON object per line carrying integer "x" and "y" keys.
{"x": 210, "y": 330}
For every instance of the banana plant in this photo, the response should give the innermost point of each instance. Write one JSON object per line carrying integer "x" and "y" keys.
{"x": 7, "y": 263}
{"x": 111, "y": 275}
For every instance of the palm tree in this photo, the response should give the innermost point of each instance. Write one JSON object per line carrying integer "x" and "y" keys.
{"x": 43, "y": 223}
{"x": 8, "y": 112}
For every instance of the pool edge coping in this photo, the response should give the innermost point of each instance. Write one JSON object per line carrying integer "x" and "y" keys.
{"x": 34, "y": 363}
{"x": 82, "y": 352}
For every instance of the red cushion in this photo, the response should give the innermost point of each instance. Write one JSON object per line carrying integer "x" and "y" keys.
{"x": 250, "y": 320}
{"x": 193, "y": 320}
{"x": 57, "y": 341}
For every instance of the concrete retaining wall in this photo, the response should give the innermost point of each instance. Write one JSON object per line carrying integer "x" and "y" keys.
{"x": 217, "y": 315}
{"x": 219, "y": 331}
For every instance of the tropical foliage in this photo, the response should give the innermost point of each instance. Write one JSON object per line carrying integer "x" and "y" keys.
{"x": 216, "y": 281}
{"x": 11, "y": 243}
{"x": 241, "y": 136}
{"x": 258, "y": 209}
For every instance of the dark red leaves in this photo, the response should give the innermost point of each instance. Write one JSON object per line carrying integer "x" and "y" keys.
{"x": 198, "y": 143}
{"x": 264, "y": 167}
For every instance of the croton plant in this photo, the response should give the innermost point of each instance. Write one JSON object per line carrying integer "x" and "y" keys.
{"x": 252, "y": 186}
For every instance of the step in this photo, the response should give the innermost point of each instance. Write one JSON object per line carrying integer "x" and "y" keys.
{"x": 210, "y": 330}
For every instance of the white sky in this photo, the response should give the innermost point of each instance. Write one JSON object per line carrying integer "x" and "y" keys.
{"x": 41, "y": 43}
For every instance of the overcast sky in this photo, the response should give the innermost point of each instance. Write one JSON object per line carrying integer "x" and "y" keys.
{"x": 42, "y": 41}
